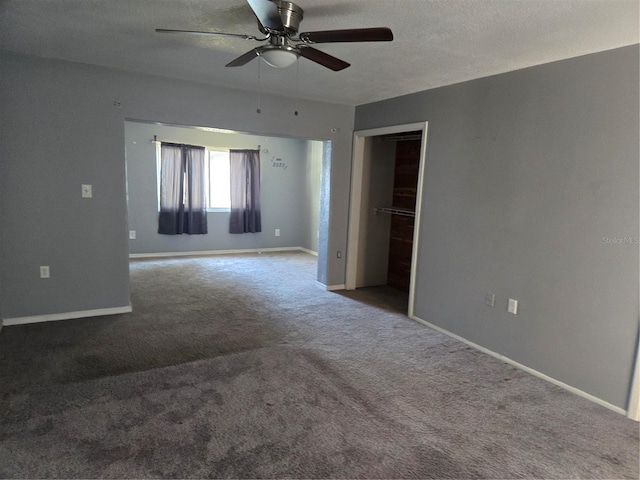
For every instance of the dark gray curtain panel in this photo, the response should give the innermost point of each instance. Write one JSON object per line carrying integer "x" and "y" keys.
{"x": 182, "y": 190}
{"x": 245, "y": 191}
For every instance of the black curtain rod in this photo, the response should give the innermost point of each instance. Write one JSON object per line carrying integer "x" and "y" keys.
{"x": 174, "y": 144}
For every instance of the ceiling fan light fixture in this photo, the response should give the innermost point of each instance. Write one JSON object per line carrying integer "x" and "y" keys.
{"x": 279, "y": 57}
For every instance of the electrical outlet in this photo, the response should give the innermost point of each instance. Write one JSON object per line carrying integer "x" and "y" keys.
{"x": 132, "y": 234}
{"x": 86, "y": 191}
{"x": 277, "y": 232}
{"x": 512, "y": 307}
{"x": 44, "y": 271}
{"x": 490, "y": 299}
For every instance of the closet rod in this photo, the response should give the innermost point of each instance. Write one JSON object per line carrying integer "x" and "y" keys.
{"x": 404, "y": 212}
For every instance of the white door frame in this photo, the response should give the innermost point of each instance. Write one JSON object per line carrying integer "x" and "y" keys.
{"x": 633, "y": 409}
{"x": 355, "y": 202}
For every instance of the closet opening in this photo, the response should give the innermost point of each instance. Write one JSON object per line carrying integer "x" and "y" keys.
{"x": 384, "y": 210}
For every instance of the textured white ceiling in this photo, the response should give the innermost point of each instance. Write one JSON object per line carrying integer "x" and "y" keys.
{"x": 437, "y": 42}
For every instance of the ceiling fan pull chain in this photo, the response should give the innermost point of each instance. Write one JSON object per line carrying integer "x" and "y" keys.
{"x": 259, "y": 110}
{"x": 297, "y": 89}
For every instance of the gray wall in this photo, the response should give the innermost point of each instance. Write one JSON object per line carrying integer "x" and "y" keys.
{"x": 377, "y": 191}
{"x": 62, "y": 125}
{"x": 325, "y": 255}
{"x": 285, "y": 192}
{"x": 311, "y": 195}
{"x": 527, "y": 176}
{"x": 58, "y": 130}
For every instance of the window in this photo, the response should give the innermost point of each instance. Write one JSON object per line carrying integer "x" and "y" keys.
{"x": 218, "y": 185}
{"x": 217, "y": 180}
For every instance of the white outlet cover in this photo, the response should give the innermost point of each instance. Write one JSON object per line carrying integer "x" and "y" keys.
{"x": 86, "y": 191}
{"x": 44, "y": 271}
{"x": 513, "y": 306}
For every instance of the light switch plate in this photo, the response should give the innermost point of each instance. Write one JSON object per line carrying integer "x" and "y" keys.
{"x": 513, "y": 306}
{"x": 86, "y": 191}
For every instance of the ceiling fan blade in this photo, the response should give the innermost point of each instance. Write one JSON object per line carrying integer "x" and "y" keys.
{"x": 243, "y": 59}
{"x": 323, "y": 59}
{"x": 215, "y": 34}
{"x": 267, "y": 14}
{"x": 382, "y": 34}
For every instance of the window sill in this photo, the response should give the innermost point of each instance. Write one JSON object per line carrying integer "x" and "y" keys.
{"x": 215, "y": 210}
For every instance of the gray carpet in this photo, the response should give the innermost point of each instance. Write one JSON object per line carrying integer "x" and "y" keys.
{"x": 243, "y": 367}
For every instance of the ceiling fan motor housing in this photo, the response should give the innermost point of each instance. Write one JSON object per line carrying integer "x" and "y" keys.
{"x": 291, "y": 15}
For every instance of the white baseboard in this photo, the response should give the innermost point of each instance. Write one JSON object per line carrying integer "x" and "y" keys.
{"x": 330, "y": 288}
{"x": 520, "y": 366}
{"x": 54, "y": 317}
{"x": 220, "y": 252}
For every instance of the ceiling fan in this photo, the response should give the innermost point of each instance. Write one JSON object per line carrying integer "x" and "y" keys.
{"x": 279, "y": 21}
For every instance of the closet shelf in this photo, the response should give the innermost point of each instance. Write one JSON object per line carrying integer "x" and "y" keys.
{"x": 405, "y": 212}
